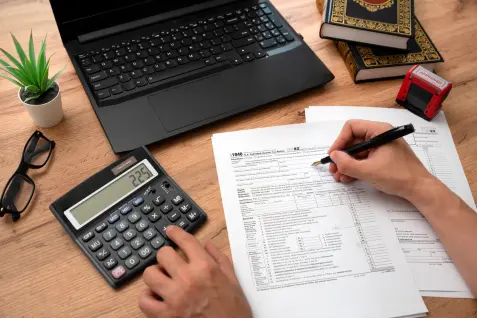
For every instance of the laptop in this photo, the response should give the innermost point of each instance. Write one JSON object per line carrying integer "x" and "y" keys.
{"x": 153, "y": 69}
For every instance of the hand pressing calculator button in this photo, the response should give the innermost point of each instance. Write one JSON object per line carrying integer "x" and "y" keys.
{"x": 120, "y": 215}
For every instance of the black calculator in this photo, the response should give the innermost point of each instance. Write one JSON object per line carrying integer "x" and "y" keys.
{"x": 119, "y": 216}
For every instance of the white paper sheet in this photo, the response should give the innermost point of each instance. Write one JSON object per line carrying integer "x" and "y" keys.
{"x": 303, "y": 245}
{"x": 433, "y": 269}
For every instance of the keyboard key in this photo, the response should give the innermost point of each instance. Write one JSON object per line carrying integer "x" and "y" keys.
{"x": 98, "y": 76}
{"x": 83, "y": 55}
{"x": 192, "y": 216}
{"x": 225, "y": 38}
{"x": 182, "y": 60}
{"x": 117, "y": 243}
{"x": 137, "y": 64}
{"x": 137, "y": 201}
{"x": 136, "y": 74}
{"x": 110, "y": 263}
{"x": 149, "y": 234}
{"x": 145, "y": 252}
{"x": 210, "y": 61}
{"x": 106, "y": 64}
{"x": 95, "y": 245}
{"x": 259, "y": 37}
{"x": 92, "y": 68}
{"x": 189, "y": 67}
{"x": 177, "y": 200}
{"x": 184, "y": 208}
{"x": 130, "y": 57}
{"x": 254, "y": 30}
{"x": 158, "y": 200}
{"x": 275, "y": 33}
{"x": 204, "y": 54}
{"x": 113, "y": 218}
{"x": 109, "y": 234}
{"x": 267, "y": 11}
{"x": 259, "y": 54}
{"x": 125, "y": 209}
{"x": 129, "y": 234}
{"x": 174, "y": 216}
{"x": 215, "y": 41}
{"x": 124, "y": 252}
{"x": 182, "y": 223}
{"x": 105, "y": 83}
{"x": 154, "y": 217}
{"x": 142, "y": 225}
{"x": 262, "y": 28}
{"x": 281, "y": 40}
{"x": 267, "y": 35}
{"x": 183, "y": 51}
{"x": 87, "y": 237}
{"x": 118, "y": 272}
{"x": 134, "y": 217}
{"x": 240, "y": 34}
{"x": 97, "y": 58}
{"x": 160, "y": 66}
{"x": 157, "y": 242}
{"x": 243, "y": 42}
{"x": 215, "y": 50}
{"x": 132, "y": 262}
{"x": 144, "y": 45}
{"x": 270, "y": 25}
{"x": 103, "y": 254}
{"x": 122, "y": 226}
{"x": 221, "y": 58}
{"x": 268, "y": 43}
{"x": 101, "y": 227}
{"x": 149, "y": 61}
{"x": 128, "y": 86}
{"x": 171, "y": 63}
{"x": 194, "y": 47}
{"x": 153, "y": 51}
{"x": 103, "y": 94}
{"x": 236, "y": 61}
{"x": 248, "y": 57}
{"x": 141, "y": 54}
{"x": 162, "y": 226}
{"x": 276, "y": 21}
{"x": 126, "y": 68}
{"x": 147, "y": 208}
{"x": 166, "y": 208}
{"x": 114, "y": 71}
{"x": 120, "y": 52}
{"x": 124, "y": 77}
{"x": 137, "y": 243}
{"x": 148, "y": 70}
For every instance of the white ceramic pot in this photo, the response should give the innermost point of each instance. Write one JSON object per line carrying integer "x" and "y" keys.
{"x": 45, "y": 115}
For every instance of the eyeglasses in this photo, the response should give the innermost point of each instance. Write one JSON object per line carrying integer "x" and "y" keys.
{"x": 20, "y": 188}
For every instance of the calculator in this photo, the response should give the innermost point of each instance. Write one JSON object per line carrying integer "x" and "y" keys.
{"x": 119, "y": 216}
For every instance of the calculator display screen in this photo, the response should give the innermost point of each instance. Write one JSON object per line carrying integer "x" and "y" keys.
{"x": 110, "y": 194}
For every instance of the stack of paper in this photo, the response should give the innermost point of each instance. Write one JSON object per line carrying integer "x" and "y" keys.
{"x": 303, "y": 245}
{"x": 433, "y": 269}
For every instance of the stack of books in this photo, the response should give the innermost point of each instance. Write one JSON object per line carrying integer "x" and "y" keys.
{"x": 377, "y": 38}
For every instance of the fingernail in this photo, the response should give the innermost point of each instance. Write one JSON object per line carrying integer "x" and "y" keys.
{"x": 170, "y": 228}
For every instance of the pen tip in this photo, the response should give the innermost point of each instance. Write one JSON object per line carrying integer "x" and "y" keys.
{"x": 316, "y": 163}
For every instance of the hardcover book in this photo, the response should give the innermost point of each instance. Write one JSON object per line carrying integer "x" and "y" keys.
{"x": 372, "y": 62}
{"x": 388, "y": 23}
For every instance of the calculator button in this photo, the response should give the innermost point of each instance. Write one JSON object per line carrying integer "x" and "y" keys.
{"x": 157, "y": 242}
{"x": 126, "y": 210}
{"x": 145, "y": 252}
{"x": 113, "y": 218}
{"x": 110, "y": 263}
{"x": 129, "y": 234}
{"x": 87, "y": 237}
{"x": 102, "y": 254}
{"x": 124, "y": 252}
{"x": 134, "y": 217}
{"x": 182, "y": 223}
{"x": 101, "y": 227}
{"x": 192, "y": 216}
{"x": 117, "y": 243}
{"x": 118, "y": 272}
{"x": 137, "y": 243}
{"x": 177, "y": 199}
{"x": 95, "y": 245}
{"x": 154, "y": 217}
{"x": 161, "y": 227}
{"x": 132, "y": 262}
{"x": 137, "y": 201}
{"x": 166, "y": 208}
{"x": 149, "y": 234}
{"x": 109, "y": 234}
{"x": 174, "y": 216}
{"x": 146, "y": 209}
{"x": 122, "y": 226}
{"x": 142, "y": 225}
{"x": 158, "y": 200}
{"x": 185, "y": 208}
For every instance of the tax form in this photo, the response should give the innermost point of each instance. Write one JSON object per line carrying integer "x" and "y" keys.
{"x": 432, "y": 142}
{"x": 303, "y": 245}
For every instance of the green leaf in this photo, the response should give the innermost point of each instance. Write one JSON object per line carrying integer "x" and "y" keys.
{"x": 5, "y": 64}
{"x": 32, "y": 89}
{"x": 11, "y": 80}
{"x": 41, "y": 63}
{"x": 53, "y": 79}
{"x": 11, "y": 58}
{"x": 31, "y": 50}
{"x": 20, "y": 51}
{"x": 32, "y": 98}
{"x": 44, "y": 78}
{"x": 15, "y": 73}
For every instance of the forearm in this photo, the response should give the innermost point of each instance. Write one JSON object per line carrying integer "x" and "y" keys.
{"x": 454, "y": 222}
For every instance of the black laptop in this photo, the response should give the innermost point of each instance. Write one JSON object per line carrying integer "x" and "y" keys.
{"x": 153, "y": 69}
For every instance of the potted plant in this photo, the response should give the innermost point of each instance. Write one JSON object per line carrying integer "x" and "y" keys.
{"x": 38, "y": 93}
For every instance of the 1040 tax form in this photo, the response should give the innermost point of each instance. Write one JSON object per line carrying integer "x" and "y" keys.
{"x": 432, "y": 142}
{"x": 303, "y": 245}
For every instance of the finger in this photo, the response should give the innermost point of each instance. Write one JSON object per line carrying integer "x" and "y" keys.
{"x": 337, "y": 176}
{"x": 358, "y": 129}
{"x": 170, "y": 260}
{"x": 346, "y": 179}
{"x": 188, "y": 243}
{"x": 350, "y": 166}
{"x": 223, "y": 261}
{"x": 333, "y": 168}
{"x": 151, "y": 306}
{"x": 157, "y": 281}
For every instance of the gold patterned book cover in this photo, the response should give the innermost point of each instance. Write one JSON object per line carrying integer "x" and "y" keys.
{"x": 387, "y": 23}
{"x": 367, "y": 63}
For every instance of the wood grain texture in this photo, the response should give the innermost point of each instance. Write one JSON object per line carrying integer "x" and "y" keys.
{"x": 43, "y": 273}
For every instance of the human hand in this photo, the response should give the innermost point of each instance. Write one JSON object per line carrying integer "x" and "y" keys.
{"x": 392, "y": 168}
{"x": 204, "y": 285}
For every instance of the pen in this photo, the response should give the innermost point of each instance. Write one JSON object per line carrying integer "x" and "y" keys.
{"x": 377, "y": 141}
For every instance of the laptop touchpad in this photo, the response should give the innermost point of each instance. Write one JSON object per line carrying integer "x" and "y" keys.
{"x": 195, "y": 101}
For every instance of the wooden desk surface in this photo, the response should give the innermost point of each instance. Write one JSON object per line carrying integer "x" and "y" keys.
{"x": 43, "y": 273}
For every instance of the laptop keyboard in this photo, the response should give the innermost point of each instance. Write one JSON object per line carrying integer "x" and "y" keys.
{"x": 228, "y": 40}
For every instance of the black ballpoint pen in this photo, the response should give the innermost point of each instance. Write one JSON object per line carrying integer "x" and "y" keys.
{"x": 377, "y": 141}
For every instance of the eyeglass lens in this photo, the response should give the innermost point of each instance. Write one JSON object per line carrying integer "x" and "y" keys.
{"x": 17, "y": 193}
{"x": 37, "y": 151}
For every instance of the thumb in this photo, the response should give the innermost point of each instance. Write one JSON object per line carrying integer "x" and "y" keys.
{"x": 348, "y": 165}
